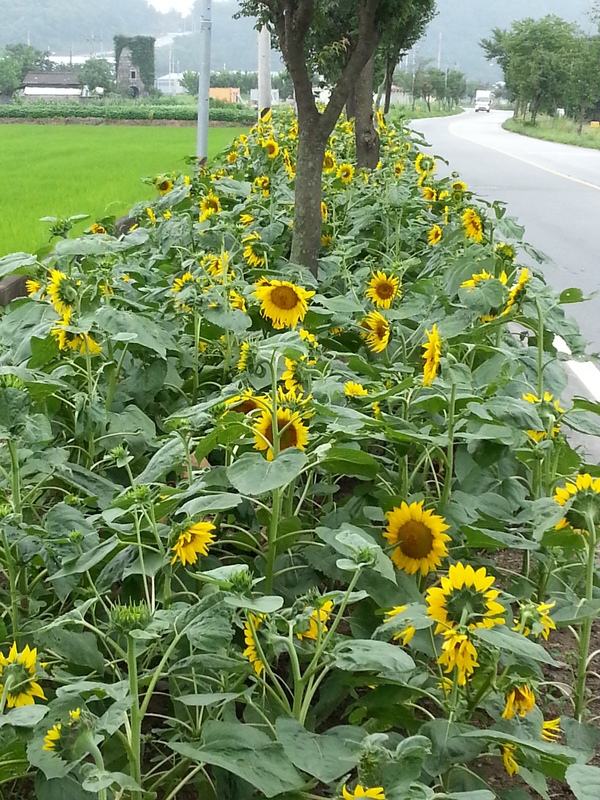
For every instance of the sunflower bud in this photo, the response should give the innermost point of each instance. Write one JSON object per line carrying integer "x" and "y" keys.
{"x": 124, "y": 619}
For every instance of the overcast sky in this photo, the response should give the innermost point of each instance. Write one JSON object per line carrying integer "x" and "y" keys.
{"x": 184, "y": 6}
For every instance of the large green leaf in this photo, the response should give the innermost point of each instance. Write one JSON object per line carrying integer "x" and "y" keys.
{"x": 247, "y": 752}
{"x": 127, "y": 326}
{"x": 210, "y": 502}
{"x": 170, "y": 455}
{"x": 16, "y": 263}
{"x": 327, "y": 757}
{"x": 87, "y": 560}
{"x": 75, "y": 648}
{"x": 253, "y": 474}
{"x": 207, "y": 624}
{"x": 515, "y": 643}
{"x": 350, "y": 461}
{"x": 584, "y": 781}
{"x": 369, "y": 655}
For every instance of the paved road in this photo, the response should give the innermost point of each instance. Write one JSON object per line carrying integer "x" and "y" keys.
{"x": 553, "y": 190}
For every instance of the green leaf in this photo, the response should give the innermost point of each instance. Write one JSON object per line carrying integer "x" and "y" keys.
{"x": 253, "y": 474}
{"x": 326, "y": 757}
{"x": 141, "y": 330}
{"x": 210, "y": 502}
{"x": 16, "y": 263}
{"x": 582, "y": 422}
{"x": 170, "y": 456}
{"x": 207, "y": 699}
{"x": 75, "y": 648}
{"x": 24, "y": 717}
{"x": 207, "y": 624}
{"x": 350, "y": 461}
{"x": 233, "y": 320}
{"x": 369, "y": 655}
{"x": 513, "y": 642}
{"x": 571, "y": 296}
{"x": 266, "y": 604}
{"x": 65, "y": 788}
{"x": 246, "y": 752}
{"x": 94, "y": 486}
{"x": 87, "y": 560}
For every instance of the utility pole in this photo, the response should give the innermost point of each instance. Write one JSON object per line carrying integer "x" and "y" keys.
{"x": 204, "y": 80}
{"x": 264, "y": 72}
{"x": 439, "y": 58}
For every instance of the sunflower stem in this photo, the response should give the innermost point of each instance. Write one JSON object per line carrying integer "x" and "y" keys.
{"x": 540, "y": 350}
{"x": 586, "y": 626}
{"x": 196, "y": 375}
{"x": 272, "y": 541}
{"x": 450, "y": 452}
{"x": 135, "y": 735}
{"x": 12, "y": 580}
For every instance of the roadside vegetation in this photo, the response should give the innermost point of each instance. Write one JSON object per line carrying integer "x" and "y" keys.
{"x": 556, "y": 129}
{"x": 549, "y": 64}
{"x": 66, "y": 170}
{"x": 264, "y": 513}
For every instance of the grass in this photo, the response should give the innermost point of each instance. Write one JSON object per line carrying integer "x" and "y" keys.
{"x": 420, "y": 111}
{"x": 556, "y": 129}
{"x": 55, "y": 170}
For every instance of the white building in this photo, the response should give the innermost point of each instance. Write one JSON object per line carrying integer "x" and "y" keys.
{"x": 170, "y": 83}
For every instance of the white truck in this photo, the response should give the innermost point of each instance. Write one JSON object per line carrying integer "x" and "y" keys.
{"x": 483, "y": 100}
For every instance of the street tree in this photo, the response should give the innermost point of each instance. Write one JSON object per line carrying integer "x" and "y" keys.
{"x": 292, "y": 22}
{"x": 97, "y": 73}
{"x": 190, "y": 81}
{"x": 9, "y": 76}
{"x": 583, "y": 84}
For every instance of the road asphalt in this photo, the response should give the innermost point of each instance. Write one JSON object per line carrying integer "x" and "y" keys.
{"x": 554, "y": 191}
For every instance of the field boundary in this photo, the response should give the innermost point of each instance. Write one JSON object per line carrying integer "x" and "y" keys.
{"x": 95, "y": 121}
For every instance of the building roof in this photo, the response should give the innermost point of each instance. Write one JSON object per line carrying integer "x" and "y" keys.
{"x": 51, "y": 91}
{"x": 66, "y": 78}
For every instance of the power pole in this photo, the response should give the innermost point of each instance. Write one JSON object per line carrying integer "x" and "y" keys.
{"x": 439, "y": 58}
{"x": 204, "y": 80}
{"x": 264, "y": 72}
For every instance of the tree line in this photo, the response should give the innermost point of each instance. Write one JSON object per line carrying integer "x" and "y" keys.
{"x": 548, "y": 64}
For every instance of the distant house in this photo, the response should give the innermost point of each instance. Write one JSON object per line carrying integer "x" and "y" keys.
{"x": 53, "y": 86}
{"x": 228, "y": 94}
{"x": 170, "y": 83}
{"x": 274, "y": 97}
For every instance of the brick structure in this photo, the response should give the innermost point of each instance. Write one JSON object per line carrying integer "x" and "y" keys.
{"x": 129, "y": 79}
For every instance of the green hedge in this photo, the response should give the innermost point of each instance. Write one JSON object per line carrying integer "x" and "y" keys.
{"x": 239, "y": 116}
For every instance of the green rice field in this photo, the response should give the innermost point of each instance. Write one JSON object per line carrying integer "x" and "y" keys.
{"x": 59, "y": 171}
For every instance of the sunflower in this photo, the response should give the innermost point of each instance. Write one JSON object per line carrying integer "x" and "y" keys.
{"x": 459, "y": 186}
{"x": 376, "y": 793}
{"x": 317, "y": 624}
{"x": 551, "y": 729}
{"x": 505, "y": 251}
{"x": 472, "y": 225}
{"x": 290, "y": 375}
{"x": 431, "y": 355}
{"x": 345, "y": 172}
{"x": 434, "y": 236}
{"x": 164, "y": 185}
{"x": 243, "y": 359}
{"x": 66, "y": 340}
{"x": 209, "y": 205}
{"x": 272, "y": 148}
{"x": 398, "y": 168}
{"x": 62, "y": 292}
{"x": 262, "y": 184}
{"x": 52, "y": 738}
{"x": 217, "y": 266}
{"x": 193, "y": 540}
{"x": 381, "y": 120}
{"x": 429, "y": 194}
{"x": 245, "y": 402}
{"x": 246, "y": 219}
{"x": 480, "y": 277}
{"x": 425, "y": 165}
{"x": 520, "y": 700}
{"x": 251, "y": 651}
{"x": 151, "y": 216}
{"x": 465, "y": 597}
{"x": 326, "y": 240}
{"x": 383, "y": 289}
{"x": 232, "y": 157}
{"x": 508, "y": 759}
{"x": 17, "y": 677}
{"x": 585, "y": 493}
{"x": 407, "y": 633}
{"x": 97, "y": 228}
{"x": 517, "y": 290}
{"x": 535, "y": 620}
{"x": 32, "y": 286}
{"x": 324, "y": 211}
{"x": 284, "y": 303}
{"x": 353, "y": 389}
{"x": 179, "y": 283}
{"x": 458, "y": 652}
{"x": 549, "y": 407}
{"x": 254, "y": 250}
{"x": 292, "y": 431}
{"x": 329, "y": 164}
{"x": 237, "y": 301}
{"x": 418, "y": 538}
{"x": 378, "y": 336}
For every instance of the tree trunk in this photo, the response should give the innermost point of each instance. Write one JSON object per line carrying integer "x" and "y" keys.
{"x": 390, "y": 66}
{"x": 306, "y": 241}
{"x": 367, "y": 138}
{"x": 581, "y": 119}
{"x": 351, "y": 105}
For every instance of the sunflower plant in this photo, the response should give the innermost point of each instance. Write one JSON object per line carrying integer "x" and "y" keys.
{"x": 246, "y": 513}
